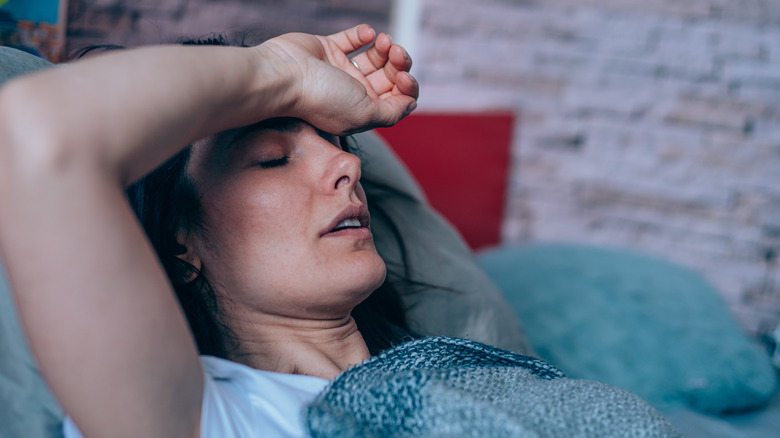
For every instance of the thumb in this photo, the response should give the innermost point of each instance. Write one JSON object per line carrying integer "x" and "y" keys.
{"x": 392, "y": 109}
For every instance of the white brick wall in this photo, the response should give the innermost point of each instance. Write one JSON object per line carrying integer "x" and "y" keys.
{"x": 132, "y": 23}
{"x": 652, "y": 124}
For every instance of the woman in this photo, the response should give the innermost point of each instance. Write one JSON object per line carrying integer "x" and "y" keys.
{"x": 116, "y": 350}
{"x": 261, "y": 225}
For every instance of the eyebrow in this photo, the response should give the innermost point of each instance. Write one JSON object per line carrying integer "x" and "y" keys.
{"x": 279, "y": 124}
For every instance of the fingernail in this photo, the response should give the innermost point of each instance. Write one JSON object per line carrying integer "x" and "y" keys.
{"x": 412, "y": 106}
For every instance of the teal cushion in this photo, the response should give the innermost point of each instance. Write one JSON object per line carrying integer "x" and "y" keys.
{"x": 646, "y": 325}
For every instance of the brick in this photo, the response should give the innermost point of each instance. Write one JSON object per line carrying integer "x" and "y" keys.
{"x": 726, "y": 113}
{"x": 158, "y": 21}
{"x": 761, "y": 73}
{"x": 729, "y": 41}
{"x": 536, "y": 84}
{"x": 621, "y": 101}
{"x": 757, "y": 92}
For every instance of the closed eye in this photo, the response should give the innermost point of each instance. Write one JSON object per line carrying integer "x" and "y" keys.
{"x": 276, "y": 162}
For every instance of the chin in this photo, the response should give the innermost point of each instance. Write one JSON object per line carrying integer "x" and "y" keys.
{"x": 375, "y": 274}
{"x": 351, "y": 281}
{"x": 371, "y": 275}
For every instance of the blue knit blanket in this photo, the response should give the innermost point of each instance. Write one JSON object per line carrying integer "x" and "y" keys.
{"x": 445, "y": 387}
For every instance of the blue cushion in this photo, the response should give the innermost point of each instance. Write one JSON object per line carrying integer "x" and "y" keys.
{"x": 646, "y": 325}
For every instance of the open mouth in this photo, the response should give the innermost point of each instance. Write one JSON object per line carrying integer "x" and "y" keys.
{"x": 354, "y": 217}
{"x": 347, "y": 224}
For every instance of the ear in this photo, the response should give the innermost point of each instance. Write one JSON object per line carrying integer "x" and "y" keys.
{"x": 185, "y": 252}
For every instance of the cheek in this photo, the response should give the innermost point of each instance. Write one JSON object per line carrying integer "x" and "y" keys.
{"x": 361, "y": 194}
{"x": 248, "y": 229}
{"x": 264, "y": 213}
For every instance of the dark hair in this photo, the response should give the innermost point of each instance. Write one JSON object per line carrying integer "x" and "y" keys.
{"x": 165, "y": 202}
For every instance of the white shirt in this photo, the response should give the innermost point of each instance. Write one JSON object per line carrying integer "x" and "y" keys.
{"x": 239, "y": 401}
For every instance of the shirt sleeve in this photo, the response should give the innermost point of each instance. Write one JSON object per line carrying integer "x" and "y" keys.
{"x": 243, "y": 402}
{"x": 224, "y": 412}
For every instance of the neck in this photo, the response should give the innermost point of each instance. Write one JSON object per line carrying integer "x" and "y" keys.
{"x": 315, "y": 347}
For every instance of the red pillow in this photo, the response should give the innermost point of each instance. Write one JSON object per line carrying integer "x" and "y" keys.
{"x": 461, "y": 160}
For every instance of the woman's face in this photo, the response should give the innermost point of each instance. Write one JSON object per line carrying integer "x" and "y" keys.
{"x": 286, "y": 225}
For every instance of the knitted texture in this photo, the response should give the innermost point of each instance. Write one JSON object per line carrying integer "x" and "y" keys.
{"x": 446, "y": 387}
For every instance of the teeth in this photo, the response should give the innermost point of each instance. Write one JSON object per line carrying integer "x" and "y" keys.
{"x": 347, "y": 223}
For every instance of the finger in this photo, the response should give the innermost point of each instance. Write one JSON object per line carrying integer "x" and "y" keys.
{"x": 376, "y": 56}
{"x": 380, "y": 113}
{"x": 400, "y": 58}
{"x": 384, "y": 80}
{"x": 371, "y": 113}
{"x": 407, "y": 85}
{"x": 354, "y": 38}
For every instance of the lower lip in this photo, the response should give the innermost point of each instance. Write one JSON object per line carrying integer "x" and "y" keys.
{"x": 355, "y": 233}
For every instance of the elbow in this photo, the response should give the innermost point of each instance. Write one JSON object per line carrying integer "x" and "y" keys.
{"x": 9, "y": 135}
{"x": 30, "y": 144}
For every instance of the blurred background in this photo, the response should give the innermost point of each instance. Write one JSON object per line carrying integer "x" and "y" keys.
{"x": 35, "y": 26}
{"x": 645, "y": 124}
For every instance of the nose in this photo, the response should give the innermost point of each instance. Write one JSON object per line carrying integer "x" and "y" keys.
{"x": 343, "y": 172}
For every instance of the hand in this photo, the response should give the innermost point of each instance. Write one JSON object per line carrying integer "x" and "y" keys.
{"x": 328, "y": 90}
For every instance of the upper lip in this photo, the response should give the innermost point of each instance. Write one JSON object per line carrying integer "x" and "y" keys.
{"x": 355, "y": 211}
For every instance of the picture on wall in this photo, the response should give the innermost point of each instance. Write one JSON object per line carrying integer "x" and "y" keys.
{"x": 34, "y": 26}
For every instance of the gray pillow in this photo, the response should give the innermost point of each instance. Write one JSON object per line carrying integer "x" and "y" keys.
{"x": 465, "y": 302}
{"x": 15, "y": 62}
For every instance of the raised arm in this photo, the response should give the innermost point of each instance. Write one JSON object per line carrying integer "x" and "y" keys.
{"x": 96, "y": 306}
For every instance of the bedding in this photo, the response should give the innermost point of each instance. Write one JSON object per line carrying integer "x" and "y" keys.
{"x": 445, "y": 387}
{"x": 15, "y": 62}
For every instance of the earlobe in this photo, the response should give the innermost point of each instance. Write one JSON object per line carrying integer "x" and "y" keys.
{"x": 185, "y": 252}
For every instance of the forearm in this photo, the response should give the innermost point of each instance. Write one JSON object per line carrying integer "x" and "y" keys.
{"x": 127, "y": 111}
